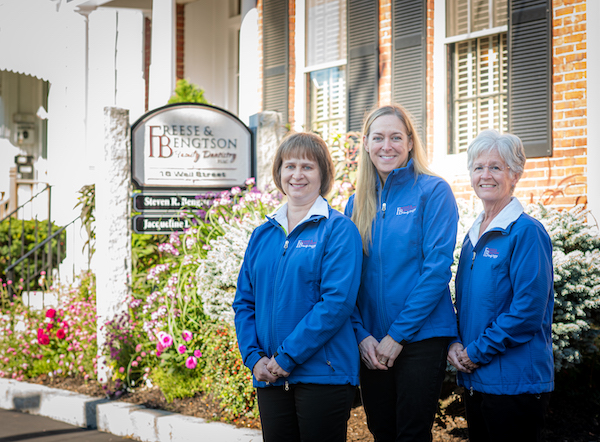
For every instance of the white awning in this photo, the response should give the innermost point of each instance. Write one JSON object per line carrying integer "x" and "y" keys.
{"x": 35, "y": 37}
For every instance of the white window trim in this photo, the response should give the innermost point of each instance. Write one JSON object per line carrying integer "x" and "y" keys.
{"x": 300, "y": 86}
{"x": 322, "y": 66}
{"x": 477, "y": 34}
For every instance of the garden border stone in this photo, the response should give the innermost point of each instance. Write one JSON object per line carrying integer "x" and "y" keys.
{"x": 118, "y": 418}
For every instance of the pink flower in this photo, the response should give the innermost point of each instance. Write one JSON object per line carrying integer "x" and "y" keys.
{"x": 60, "y": 333}
{"x": 250, "y": 181}
{"x": 43, "y": 339}
{"x": 138, "y": 348}
{"x": 50, "y": 313}
{"x": 187, "y": 335}
{"x": 134, "y": 364}
{"x": 165, "y": 339}
{"x": 49, "y": 326}
{"x": 198, "y": 353}
{"x": 121, "y": 369}
{"x": 181, "y": 349}
{"x": 191, "y": 362}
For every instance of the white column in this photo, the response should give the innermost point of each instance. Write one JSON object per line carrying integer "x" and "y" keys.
{"x": 249, "y": 98}
{"x": 593, "y": 111}
{"x": 163, "y": 53}
{"x": 269, "y": 131}
{"x": 113, "y": 226}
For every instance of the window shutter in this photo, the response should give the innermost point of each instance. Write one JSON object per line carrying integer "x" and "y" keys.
{"x": 275, "y": 57}
{"x": 530, "y": 75}
{"x": 409, "y": 59}
{"x": 363, "y": 60}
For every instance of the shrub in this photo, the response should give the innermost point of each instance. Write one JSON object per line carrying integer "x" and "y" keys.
{"x": 33, "y": 232}
{"x": 225, "y": 376}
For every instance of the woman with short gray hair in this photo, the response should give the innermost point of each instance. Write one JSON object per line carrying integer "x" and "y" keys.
{"x": 504, "y": 301}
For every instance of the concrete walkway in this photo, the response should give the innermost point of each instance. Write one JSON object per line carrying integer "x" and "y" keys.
{"x": 118, "y": 418}
{"x": 19, "y": 426}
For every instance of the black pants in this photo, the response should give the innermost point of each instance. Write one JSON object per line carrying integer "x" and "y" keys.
{"x": 512, "y": 418}
{"x": 401, "y": 402}
{"x": 306, "y": 412}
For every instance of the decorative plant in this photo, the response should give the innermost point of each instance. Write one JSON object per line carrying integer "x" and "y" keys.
{"x": 186, "y": 92}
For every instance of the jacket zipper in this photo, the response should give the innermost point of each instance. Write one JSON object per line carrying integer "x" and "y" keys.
{"x": 382, "y": 313}
{"x": 273, "y": 340}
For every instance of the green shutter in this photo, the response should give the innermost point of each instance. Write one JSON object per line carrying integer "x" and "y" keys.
{"x": 275, "y": 57}
{"x": 363, "y": 60}
{"x": 530, "y": 75}
{"x": 409, "y": 59}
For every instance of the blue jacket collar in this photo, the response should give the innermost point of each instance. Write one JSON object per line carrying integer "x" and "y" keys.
{"x": 320, "y": 208}
{"x": 400, "y": 174}
{"x": 505, "y": 218}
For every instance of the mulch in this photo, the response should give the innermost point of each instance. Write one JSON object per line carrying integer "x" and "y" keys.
{"x": 571, "y": 417}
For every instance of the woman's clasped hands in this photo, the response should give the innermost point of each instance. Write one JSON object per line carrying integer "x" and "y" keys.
{"x": 268, "y": 370}
{"x": 379, "y": 355}
{"x": 458, "y": 356}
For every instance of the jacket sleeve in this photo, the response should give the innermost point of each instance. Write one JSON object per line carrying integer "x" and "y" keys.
{"x": 439, "y": 226}
{"x": 245, "y": 318}
{"x": 357, "y": 323}
{"x": 531, "y": 275}
{"x": 340, "y": 278}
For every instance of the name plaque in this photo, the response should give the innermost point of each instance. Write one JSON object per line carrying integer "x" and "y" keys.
{"x": 159, "y": 202}
{"x": 160, "y": 224}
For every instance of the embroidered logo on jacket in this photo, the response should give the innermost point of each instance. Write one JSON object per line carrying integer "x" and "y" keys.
{"x": 405, "y": 210}
{"x": 490, "y": 253}
{"x": 306, "y": 243}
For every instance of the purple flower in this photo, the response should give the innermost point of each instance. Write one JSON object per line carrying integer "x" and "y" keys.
{"x": 191, "y": 362}
{"x": 187, "y": 335}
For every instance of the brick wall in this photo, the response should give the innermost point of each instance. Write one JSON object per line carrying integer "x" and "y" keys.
{"x": 560, "y": 180}
{"x": 147, "y": 54}
{"x": 385, "y": 52}
{"x": 179, "y": 67}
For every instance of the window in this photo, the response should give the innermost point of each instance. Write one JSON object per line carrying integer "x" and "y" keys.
{"x": 326, "y": 66}
{"x": 479, "y": 89}
{"x": 478, "y": 66}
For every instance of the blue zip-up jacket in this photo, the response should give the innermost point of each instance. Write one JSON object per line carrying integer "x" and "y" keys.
{"x": 505, "y": 300}
{"x": 295, "y": 295}
{"x": 404, "y": 286}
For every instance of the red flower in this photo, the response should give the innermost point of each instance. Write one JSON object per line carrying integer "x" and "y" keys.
{"x": 60, "y": 333}
{"x": 50, "y": 313}
{"x": 40, "y": 332}
{"x": 43, "y": 339}
{"x": 49, "y": 326}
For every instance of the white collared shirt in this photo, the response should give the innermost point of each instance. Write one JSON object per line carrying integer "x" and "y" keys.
{"x": 319, "y": 207}
{"x": 510, "y": 213}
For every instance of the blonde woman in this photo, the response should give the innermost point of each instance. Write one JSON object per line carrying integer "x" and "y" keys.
{"x": 407, "y": 218}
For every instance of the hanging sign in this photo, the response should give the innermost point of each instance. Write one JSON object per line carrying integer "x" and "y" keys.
{"x": 191, "y": 146}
